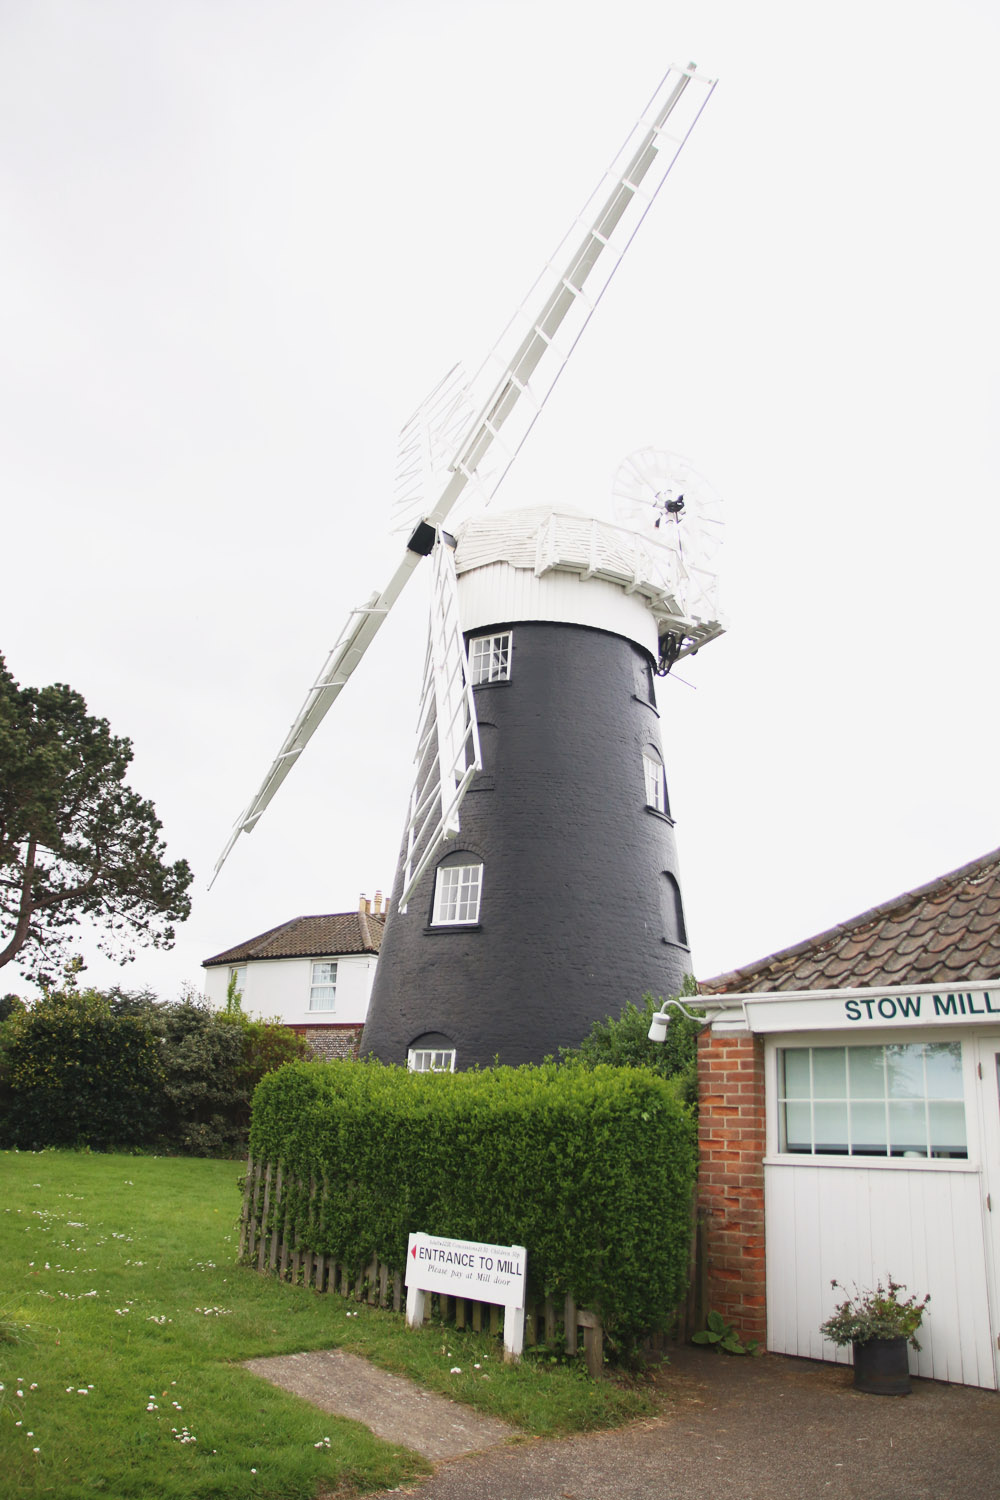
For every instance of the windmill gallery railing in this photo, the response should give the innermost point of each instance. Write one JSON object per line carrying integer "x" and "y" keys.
{"x": 274, "y": 1242}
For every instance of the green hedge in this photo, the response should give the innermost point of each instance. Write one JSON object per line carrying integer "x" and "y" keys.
{"x": 591, "y": 1169}
{"x": 72, "y": 1073}
{"x": 79, "y": 1068}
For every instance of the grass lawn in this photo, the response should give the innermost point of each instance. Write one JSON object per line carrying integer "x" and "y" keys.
{"x": 123, "y": 1319}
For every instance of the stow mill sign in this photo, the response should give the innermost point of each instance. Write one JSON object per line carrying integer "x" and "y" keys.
{"x": 859, "y": 1010}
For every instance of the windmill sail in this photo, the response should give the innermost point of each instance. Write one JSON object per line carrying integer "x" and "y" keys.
{"x": 530, "y": 356}
{"x": 448, "y": 753}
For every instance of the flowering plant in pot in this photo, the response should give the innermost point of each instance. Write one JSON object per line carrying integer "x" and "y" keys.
{"x": 879, "y": 1323}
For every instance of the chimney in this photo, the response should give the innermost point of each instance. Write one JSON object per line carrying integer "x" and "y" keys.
{"x": 377, "y": 904}
{"x": 363, "y": 907}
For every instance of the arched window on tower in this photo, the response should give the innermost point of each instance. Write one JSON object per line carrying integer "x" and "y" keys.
{"x": 433, "y": 1052}
{"x": 656, "y": 781}
{"x": 674, "y": 926}
{"x": 458, "y": 889}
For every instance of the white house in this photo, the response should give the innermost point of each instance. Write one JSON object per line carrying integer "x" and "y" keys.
{"x": 314, "y": 974}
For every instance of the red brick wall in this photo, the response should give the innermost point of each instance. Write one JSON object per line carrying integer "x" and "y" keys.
{"x": 731, "y": 1178}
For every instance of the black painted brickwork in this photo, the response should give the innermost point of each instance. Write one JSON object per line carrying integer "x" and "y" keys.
{"x": 573, "y": 918}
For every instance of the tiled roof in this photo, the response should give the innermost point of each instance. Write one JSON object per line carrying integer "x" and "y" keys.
{"x": 309, "y": 937}
{"x": 948, "y": 930}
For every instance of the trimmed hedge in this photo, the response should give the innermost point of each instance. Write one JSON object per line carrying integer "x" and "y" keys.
{"x": 79, "y": 1068}
{"x": 72, "y": 1072}
{"x": 591, "y": 1169}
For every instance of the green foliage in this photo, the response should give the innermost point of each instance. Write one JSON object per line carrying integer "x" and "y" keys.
{"x": 877, "y": 1313}
{"x": 234, "y": 996}
{"x": 74, "y": 1074}
{"x": 624, "y": 1043}
{"x": 592, "y": 1169}
{"x": 74, "y": 839}
{"x": 9, "y": 1004}
{"x": 121, "y": 1069}
{"x": 718, "y": 1334}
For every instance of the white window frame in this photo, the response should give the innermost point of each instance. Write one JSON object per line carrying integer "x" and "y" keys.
{"x": 319, "y": 999}
{"x": 458, "y": 894}
{"x": 431, "y": 1059}
{"x": 777, "y": 1122}
{"x": 656, "y": 783}
{"x": 489, "y": 658}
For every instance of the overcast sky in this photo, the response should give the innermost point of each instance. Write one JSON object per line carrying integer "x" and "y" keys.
{"x": 243, "y": 238}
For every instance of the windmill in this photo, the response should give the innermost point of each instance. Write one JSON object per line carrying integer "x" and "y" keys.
{"x": 537, "y": 885}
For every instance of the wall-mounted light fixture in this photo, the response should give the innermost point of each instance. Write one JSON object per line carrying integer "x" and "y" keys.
{"x": 661, "y": 1019}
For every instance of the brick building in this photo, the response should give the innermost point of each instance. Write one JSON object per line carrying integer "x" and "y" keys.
{"x": 850, "y": 1125}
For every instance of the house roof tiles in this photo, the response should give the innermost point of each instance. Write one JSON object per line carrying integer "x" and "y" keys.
{"x": 949, "y": 926}
{"x": 309, "y": 937}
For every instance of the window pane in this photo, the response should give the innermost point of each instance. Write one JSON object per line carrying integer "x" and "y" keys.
{"x": 947, "y": 1126}
{"x": 831, "y": 1126}
{"x": 830, "y": 1073}
{"x": 905, "y": 1071}
{"x": 868, "y": 1133}
{"x": 944, "y": 1071}
{"x": 907, "y": 1127}
{"x": 796, "y": 1071}
{"x": 867, "y": 1073}
{"x": 798, "y": 1127}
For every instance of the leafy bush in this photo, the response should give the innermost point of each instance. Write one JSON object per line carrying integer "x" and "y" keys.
{"x": 592, "y": 1169}
{"x": 624, "y": 1043}
{"x": 80, "y": 1068}
{"x": 75, "y": 1074}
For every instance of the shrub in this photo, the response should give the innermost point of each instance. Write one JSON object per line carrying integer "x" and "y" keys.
{"x": 624, "y": 1043}
{"x": 74, "y": 1074}
{"x": 592, "y": 1169}
{"x": 81, "y": 1068}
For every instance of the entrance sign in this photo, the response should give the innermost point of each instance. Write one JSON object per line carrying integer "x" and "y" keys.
{"x": 863, "y": 1010}
{"x": 468, "y": 1268}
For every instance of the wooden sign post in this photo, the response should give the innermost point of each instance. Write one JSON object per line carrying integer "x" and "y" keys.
{"x": 466, "y": 1268}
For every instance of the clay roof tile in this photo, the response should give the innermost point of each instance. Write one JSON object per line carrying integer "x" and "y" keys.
{"x": 950, "y": 926}
{"x": 337, "y": 934}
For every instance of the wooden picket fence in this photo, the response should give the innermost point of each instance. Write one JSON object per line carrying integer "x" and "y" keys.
{"x": 271, "y": 1240}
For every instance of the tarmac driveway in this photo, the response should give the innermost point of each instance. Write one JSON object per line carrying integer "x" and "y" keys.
{"x": 771, "y": 1428}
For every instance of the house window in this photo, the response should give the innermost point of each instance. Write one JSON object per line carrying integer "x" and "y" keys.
{"x": 431, "y": 1060}
{"x": 656, "y": 783}
{"x": 489, "y": 658}
{"x": 323, "y": 989}
{"x": 903, "y": 1099}
{"x": 457, "y": 890}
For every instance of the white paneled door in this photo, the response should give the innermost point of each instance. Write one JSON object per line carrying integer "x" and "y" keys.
{"x": 988, "y": 1077}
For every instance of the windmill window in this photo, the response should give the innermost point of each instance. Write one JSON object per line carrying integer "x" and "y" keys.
{"x": 457, "y": 891}
{"x": 656, "y": 783}
{"x": 431, "y": 1060}
{"x": 323, "y": 989}
{"x": 489, "y": 658}
{"x": 674, "y": 927}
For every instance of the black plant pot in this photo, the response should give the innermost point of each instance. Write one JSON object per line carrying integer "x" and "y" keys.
{"x": 881, "y": 1367}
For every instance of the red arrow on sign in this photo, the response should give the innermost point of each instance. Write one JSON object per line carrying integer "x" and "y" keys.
{"x": 413, "y": 1251}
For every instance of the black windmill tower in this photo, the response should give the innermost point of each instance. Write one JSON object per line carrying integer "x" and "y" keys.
{"x": 537, "y": 886}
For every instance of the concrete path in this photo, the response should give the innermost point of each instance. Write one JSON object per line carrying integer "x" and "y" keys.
{"x": 743, "y": 1429}
{"x": 394, "y": 1408}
